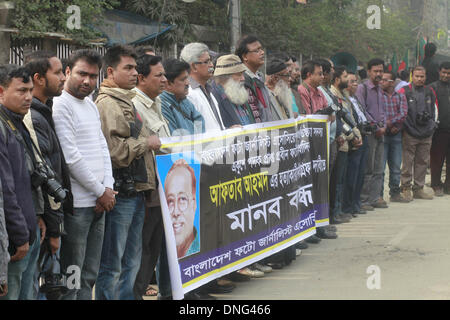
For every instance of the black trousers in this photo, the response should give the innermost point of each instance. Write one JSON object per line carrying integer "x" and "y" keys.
{"x": 152, "y": 235}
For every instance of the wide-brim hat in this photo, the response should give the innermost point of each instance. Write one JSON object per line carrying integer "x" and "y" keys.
{"x": 229, "y": 64}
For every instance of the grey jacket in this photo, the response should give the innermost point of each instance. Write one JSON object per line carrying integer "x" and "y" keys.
{"x": 4, "y": 255}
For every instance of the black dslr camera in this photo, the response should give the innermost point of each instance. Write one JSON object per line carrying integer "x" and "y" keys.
{"x": 423, "y": 118}
{"x": 124, "y": 182}
{"x": 368, "y": 128}
{"x": 44, "y": 177}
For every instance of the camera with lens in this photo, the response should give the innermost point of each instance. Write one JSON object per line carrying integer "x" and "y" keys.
{"x": 44, "y": 177}
{"x": 125, "y": 178}
{"x": 368, "y": 128}
{"x": 124, "y": 182}
{"x": 423, "y": 118}
{"x": 52, "y": 280}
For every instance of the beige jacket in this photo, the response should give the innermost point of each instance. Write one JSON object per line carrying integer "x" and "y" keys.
{"x": 116, "y": 112}
{"x": 347, "y": 105}
{"x": 151, "y": 112}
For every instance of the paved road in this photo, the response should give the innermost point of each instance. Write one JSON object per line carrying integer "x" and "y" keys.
{"x": 410, "y": 243}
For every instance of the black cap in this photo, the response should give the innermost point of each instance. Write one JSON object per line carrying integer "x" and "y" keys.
{"x": 274, "y": 66}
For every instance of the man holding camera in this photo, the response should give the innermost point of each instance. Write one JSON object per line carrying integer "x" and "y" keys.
{"x": 48, "y": 79}
{"x": 370, "y": 96}
{"x": 130, "y": 146}
{"x": 77, "y": 124}
{"x": 351, "y": 141}
{"x": 420, "y": 125}
{"x": 22, "y": 195}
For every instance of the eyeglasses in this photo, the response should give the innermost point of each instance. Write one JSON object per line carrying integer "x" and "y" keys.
{"x": 182, "y": 202}
{"x": 257, "y": 50}
{"x": 284, "y": 75}
{"x": 385, "y": 80}
{"x": 209, "y": 61}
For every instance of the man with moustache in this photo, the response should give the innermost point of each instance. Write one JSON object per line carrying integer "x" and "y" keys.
{"x": 249, "y": 49}
{"x": 78, "y": 127}
{"x": 22, "y": 201}
{"x": 396, "y": 111}
{"x": 277, "y": 81}
{"x": 370, "y": 95}
{"x": 200, "y": 71}
{"x": 48, "y": 79}
{"x": 151, "y": 83}
{"x": 440, "y": 147}
{"x": 419, "y": 125}
{"x": 131, "y": 148}
{"x": 229, "y": 90}
{"x": 350, "y": 142}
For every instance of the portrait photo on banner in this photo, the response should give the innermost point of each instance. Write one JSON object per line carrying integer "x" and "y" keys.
{"x": 180, "y": 178}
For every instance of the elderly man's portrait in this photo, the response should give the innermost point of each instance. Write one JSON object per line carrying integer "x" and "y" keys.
{"x": 180, "y": 189}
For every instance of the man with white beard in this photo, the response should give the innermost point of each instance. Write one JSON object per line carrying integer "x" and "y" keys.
{"x": 277, "y": 81}
{"x": 230, "y": 93}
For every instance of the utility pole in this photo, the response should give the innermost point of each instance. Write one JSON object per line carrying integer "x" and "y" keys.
{"x": 235, "y": 22}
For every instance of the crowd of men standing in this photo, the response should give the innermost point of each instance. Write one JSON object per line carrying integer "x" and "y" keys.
{"x": 77, "y": 165}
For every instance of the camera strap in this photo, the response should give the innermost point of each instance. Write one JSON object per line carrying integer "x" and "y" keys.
{"x": 34, "y": 152}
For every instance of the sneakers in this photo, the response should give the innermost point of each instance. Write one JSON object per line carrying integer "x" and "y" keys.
{"x": 251, "y": 273}
{"x": 262, "y": 268}
{"x": 421, "y": 194}
{"x": 298, "y": 252}
{"x": 407, "y": 194}
{"x": 438, "y": 191}
{"x": 398, "y": 198}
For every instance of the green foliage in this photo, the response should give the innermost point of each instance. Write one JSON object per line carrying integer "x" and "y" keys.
{"x": 31, "y": 16}
{"x": 322, "y": 28}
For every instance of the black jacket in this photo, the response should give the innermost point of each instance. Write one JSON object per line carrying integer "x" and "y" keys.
{"x": 442, "y": 90}
{"x": 41, "y": 115}
{"x": 420, "y": 100}
{"x": 19, "y": 207}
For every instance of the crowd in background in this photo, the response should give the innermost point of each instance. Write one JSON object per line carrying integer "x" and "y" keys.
{"x": 77, "y": 164}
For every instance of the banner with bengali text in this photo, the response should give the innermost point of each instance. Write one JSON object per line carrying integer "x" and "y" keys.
{"x": 231, "y": 198}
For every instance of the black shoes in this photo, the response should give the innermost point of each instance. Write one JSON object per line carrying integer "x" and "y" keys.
{"x": 325, "y": 234}
{"x": 313, "y": 239}
{"x": 198, "y": 295}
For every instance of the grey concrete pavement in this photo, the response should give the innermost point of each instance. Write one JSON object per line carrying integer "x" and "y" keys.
{"x": 410, "y": 244}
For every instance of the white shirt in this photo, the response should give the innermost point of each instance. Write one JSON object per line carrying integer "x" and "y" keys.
{"x": 78, "y": 126}
{"x": 201, "y": 104}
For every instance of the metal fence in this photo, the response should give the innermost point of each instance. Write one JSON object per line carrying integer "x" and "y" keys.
{"x": 19, "y": 49}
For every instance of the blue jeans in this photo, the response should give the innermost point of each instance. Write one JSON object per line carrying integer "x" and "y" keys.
{"x": 356, "y": 170}
{"x": 341, "y": 171}
{"x": 21, "y": 273}
{"x": 122, "y": 249}
{"x": 82, "y": 247}
{"x": 393, "y": 157}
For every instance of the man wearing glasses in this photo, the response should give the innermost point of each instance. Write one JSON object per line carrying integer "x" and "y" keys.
{"x": 396, "y": 109}
{"x": 277, "y": 81}
{"x": 180, "y": 189}
{"x": 201, "y": 70}
{"x": 251, "y": 52}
